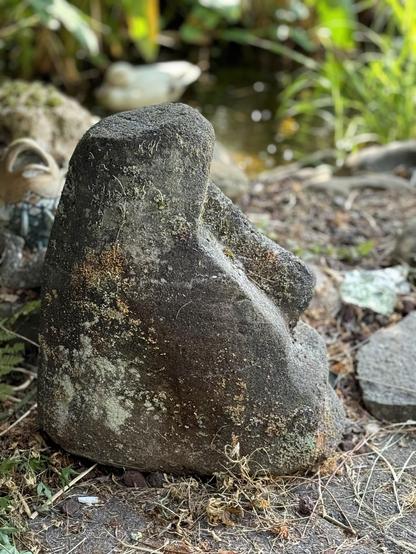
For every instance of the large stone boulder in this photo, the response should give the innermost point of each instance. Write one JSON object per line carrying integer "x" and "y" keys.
{"x": 170, "y": 325}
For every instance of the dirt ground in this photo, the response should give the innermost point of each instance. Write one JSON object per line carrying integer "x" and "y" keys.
{"x": 363, "y": 500}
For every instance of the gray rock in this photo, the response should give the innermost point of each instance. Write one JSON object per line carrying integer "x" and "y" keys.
{"x": 169, "y": 323}
{"x": 344, "y": 185}
{"x": 19, "y": 267}
{"x": 387, "y": 371}
{"x": 385, "y": 158}
{"x": 227, "y": 175}
{"x": 38, "y": 111}
{"x": 296, "y": 172}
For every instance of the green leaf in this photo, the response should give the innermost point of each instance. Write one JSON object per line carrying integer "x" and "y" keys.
{"x": 44, "y": 490}
{"x": 66, "y": 474}
{"x": 231, "y": 11}
{"x": 8, "y": 465}
{"x": 365, "y": 248}
{"x": 6, "y": 547}
{"x": 143, "y": 25}
{"x": 73, "y": 19}
{"x": 193, "y": 35}
{"x": 5, "y": 391}
{"x": 338, "y": 20}
{"x": 242, "y": 36}
{"x": 5, "y": 502}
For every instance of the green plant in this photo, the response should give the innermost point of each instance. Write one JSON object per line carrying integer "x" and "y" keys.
{"x": 58, "y": 36}
{"x": 6, "y": 546}
{"x": 62, "y": 37}
{"x": 12, "y": 348}
{"x": 362, "y": 92}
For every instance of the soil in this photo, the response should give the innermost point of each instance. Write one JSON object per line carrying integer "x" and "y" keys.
{"x": 363, "y": 500}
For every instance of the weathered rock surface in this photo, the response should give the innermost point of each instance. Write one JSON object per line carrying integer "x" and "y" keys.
{"x": 169, "y": 323}
{"x": 385, "y": 158}
{"x": 387, "y": 371}
{"x": 44, "y": 114}
{"x": 227, "y": 175}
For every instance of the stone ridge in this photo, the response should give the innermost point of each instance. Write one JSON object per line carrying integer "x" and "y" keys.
{"x": 181, "y": 120}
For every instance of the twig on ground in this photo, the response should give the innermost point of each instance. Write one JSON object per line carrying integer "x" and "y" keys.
{"x": 76, "y": 546}
{"x": 21, "y": 418}
{"x": 58, "y": 494}
{"x": 26, "y": 339}
{"x": 24, "y": 504}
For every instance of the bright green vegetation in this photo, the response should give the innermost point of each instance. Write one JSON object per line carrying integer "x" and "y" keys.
{"x": 364, "y": 87}
{"x": 12, "y": 348}
{"x": 348, "y": 67}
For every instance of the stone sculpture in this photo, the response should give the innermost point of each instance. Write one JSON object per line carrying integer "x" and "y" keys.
{"x": 30, "y": 187}
{"x": 39, "y": 129}
{"x": 170, "y": 325}
{"x": 41, "y": 112}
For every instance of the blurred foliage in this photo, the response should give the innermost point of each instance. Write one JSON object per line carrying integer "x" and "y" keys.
{"x": 12, "y": 349}
{"x": 349, "y": 66}
{"x": 363, "y": 90}
{"x": 61, "y": 38}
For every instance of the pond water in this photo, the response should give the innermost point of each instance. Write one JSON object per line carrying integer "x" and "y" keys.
{"x": 242, "y": 104}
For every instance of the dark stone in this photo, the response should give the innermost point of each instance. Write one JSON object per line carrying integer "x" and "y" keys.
{"x": 156, "y": 479}
{"x": 169, "y": 323}
{"x": 134, "y": 478}
{"x": 69, "y": 507}
{"x": 386, "y": 158}
{"x": 19, "y": 267}
{"x": 306, "y": 505}
{"x": 387, "y": 371}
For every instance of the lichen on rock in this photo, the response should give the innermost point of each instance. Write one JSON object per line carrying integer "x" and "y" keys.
{"x": 43, "y": 113}
{"x": 170, "y": 325}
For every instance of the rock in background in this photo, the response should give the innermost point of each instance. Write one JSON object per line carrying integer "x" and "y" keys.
{"x": 396, "y": 156}
{"x": 55, "y": 121}
{"x": 227, "y": 175}
{"x": 326, "y": 301}
{"x": 170, "y": 325}
{"x": 387, "y": 371}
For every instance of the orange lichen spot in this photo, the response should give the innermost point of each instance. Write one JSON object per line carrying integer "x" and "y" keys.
{"x": 100, "y": 268}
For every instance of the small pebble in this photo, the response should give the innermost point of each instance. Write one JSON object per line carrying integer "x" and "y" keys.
{"x": 135, "y": 479}
{"x": 306, "y": 505}
{"x": 69, "y": 507}
{"x": 156, "y": 479}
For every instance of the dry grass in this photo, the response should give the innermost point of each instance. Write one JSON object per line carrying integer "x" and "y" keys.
{"x": 364, "y": 495}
